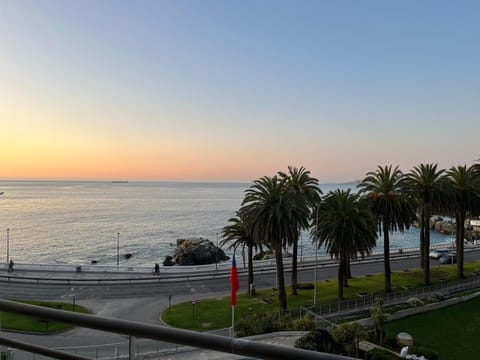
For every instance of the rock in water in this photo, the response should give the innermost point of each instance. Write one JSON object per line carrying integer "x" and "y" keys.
{"x": 197, "y": 251}
{"x": 168, "y": 261}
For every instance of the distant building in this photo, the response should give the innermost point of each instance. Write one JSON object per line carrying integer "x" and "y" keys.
{"x": 475, "y": 223}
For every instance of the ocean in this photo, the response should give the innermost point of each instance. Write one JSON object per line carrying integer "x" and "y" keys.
{"x": 75, "y": 222}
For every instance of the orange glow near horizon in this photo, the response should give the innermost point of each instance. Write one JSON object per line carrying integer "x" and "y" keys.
{"x": 39, "y": 152}
{"x": 95, "y": 163}
{"x": 105, "y": 98}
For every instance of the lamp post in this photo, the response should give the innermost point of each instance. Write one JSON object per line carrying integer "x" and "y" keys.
{"x": 8, "y": 244}
{"x": 118, "y": 249}
{"x": 216, "y": 255}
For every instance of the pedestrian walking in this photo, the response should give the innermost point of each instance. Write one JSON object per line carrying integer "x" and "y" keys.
{"x": 10, "y": 265}
{"x": 157, "y": 269}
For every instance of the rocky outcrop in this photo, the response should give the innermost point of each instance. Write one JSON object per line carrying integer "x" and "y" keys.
{"x": 447, "y": 227}
{"x": 442, "y": 226}
{"x": 197, "y": 251}
{"x": 168, "y": 261}
{"x": 438, "y": 224}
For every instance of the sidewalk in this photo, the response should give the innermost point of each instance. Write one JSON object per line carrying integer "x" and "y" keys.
{"x": 129, "y": 307}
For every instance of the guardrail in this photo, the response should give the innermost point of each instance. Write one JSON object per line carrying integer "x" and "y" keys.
{"x": 189, "y": 273}
{"x": 92, "y": 279}
{"x": 223, "y": 266}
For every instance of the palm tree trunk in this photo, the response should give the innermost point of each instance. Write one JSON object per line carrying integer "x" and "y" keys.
{"x": 349, "y": 270}
{"x": 251, "y": 288}
{"x": 426, "y": 250}
{"x": 386, "y": 257}
{"x": 422, "y": 239}
{"x": 347, "y": 273}
{"x": 460, "y": 235}
{"x": 341, "y": 274}
{"x": 282, "y": 295}
{"x": 294, "y": 267}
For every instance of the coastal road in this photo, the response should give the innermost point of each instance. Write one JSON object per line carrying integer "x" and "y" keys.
{"x": 184, "y": 288}
{"x": 144, "y": 302}
{"x": 189, "y": 288}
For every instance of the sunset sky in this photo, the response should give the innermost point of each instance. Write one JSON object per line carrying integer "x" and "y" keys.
{"x": 234, "y": 90}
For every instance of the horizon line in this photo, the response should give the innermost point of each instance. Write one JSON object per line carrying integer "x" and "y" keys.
{"x": 126, "y": 181}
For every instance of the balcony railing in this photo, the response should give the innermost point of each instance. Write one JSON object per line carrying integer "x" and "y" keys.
{"x": 141, "y": 330}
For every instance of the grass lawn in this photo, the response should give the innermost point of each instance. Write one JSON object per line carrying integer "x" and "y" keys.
{"x": 215, "y": 313}
{"x": 452, "y": 331}
{"x": 19, "y": 322}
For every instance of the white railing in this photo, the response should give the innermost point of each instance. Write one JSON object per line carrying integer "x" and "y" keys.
{"x": 114, "y": 274}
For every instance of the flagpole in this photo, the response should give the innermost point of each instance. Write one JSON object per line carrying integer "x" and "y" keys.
{"x": 233, "y": 321}
{"x": 235, "y": 285}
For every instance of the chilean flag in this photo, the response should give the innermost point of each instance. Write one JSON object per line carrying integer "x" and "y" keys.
{"x": 234, "y": 281}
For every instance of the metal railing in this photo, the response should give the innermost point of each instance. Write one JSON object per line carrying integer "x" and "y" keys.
{"x": 91, "y": 275}
{"x": 366, "y": 301}
{"x": 221, "y": 267}
{"x": 144, "y": 348}
{"x": 141, "y": 330}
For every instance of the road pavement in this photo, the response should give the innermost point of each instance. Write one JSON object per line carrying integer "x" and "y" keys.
{"x": 144, "y": 301}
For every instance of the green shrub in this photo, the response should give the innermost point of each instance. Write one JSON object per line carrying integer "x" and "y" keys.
{"x": 380, "y": 354}
{"x": 254, "y": 324}
{"x": 422, "y": 350}
{"x": 350, "y": 335}
{"x": 261, "y": 323}
{"x": 319, "y": 340}
{"x": 305, "y": 323}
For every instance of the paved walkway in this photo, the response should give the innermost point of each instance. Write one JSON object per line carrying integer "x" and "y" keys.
{"x": 136, "y": 308}
{"x": 142, "y": 303}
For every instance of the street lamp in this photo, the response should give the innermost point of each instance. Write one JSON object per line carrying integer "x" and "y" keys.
{"x": 216, "y": 255}
{"x": 118, "y": 248}
{"x": 8, "y": 244}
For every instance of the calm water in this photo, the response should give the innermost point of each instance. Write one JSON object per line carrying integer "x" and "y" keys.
{"x": 76, "y": 222}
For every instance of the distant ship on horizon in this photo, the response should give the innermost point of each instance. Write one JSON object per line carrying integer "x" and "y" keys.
{"x": 120, "y": 182}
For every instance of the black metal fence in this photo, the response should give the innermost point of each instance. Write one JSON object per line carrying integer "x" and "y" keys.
{"x": 365, "y": 301}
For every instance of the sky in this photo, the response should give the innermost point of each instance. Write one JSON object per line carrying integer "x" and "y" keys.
{"x": 235, "y": 90}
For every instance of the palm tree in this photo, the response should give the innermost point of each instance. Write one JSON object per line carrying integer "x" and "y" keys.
{"x": 269, "y": 210}
{"x": 346, "y": 226}
{"x": 238, "y": 233}
{"x": 465, "y": 190}
{"x": 428, "y": 187}
{"x": 394, "y": 210}
{"x": 306, "y": 188}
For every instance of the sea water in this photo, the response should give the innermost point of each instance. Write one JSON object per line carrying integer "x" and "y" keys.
{"x": 84, "y": 221}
